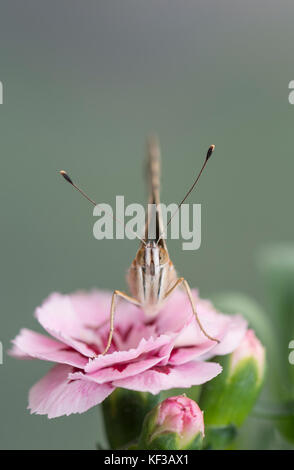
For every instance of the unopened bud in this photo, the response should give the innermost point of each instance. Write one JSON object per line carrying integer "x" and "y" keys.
{"x": 176, "y": 423}
{"x": 228, "y": 399}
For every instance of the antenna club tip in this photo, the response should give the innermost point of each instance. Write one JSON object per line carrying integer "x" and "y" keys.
{"x": 65, "y": 176}
{"x": 209, "y": 152}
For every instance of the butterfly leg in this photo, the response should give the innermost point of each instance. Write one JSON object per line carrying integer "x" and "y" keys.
{"x": 183, "y": 281}
{"x": 116, "y": 293}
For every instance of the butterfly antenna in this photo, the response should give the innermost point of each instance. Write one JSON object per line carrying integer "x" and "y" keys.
{"x": 208, "y": 155}
{"x": 70, "y": 181}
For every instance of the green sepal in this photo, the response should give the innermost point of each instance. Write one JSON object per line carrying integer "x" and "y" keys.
{"x": 124, "y": 412}
{"x": 219, "y": 437}
{"x": 228, "y": 398}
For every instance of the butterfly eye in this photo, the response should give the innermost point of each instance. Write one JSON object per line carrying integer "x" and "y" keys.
{"x": 140, "y": 257}
{"x": 163, "y": 256}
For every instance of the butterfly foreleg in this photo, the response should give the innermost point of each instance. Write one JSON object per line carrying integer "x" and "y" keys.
{"x": 116, "y": 293}
{"x": 182, "y": 281}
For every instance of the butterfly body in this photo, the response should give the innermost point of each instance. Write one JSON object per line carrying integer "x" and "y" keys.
{"x": 150, "y": 276}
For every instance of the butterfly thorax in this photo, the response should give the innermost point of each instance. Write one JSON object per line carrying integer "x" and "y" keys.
{"x": 150, "y": 275}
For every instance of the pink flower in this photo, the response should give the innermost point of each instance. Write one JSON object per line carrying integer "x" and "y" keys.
{"x": 169, "y": 351}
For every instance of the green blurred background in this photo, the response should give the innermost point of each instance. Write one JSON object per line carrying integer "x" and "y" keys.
{"x": 84, "y": 83}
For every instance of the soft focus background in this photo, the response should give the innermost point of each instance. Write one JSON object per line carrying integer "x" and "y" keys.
{"x": 84, "y": 83}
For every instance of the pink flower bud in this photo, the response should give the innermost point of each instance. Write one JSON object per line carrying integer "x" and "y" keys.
{"x": 250, "y": 347}
{"x": 182, "y": 416}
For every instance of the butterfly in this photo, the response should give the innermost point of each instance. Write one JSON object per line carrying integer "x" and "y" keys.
{"x": 152, "y": 276}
